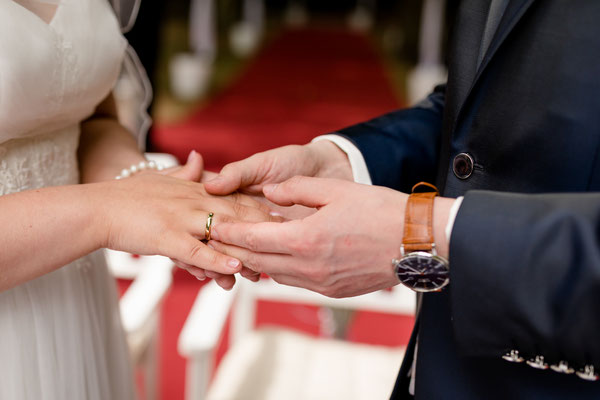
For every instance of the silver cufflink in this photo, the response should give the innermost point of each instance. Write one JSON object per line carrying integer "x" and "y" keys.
{"x": 537, "y": 362}
{"x": 588, "y": 373}
{"x": 562, "y": 367}
{"x": 513, "y": 356}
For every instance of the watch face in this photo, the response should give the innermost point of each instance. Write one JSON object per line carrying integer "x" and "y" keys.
{"x": 422, "y": 271}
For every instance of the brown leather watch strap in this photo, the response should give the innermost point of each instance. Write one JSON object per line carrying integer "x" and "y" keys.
{"x": 418, "y": 221}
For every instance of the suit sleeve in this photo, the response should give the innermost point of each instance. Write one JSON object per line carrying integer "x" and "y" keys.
{"x": 401, "y": 148}
{"x": 525, "y": 275}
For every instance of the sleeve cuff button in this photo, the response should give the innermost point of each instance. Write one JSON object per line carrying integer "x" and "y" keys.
{"x": 537, "y": 362}
{"x": 588, "y": 373}
{"x": 513, "y": 356}
{"x": 562, "y": 367}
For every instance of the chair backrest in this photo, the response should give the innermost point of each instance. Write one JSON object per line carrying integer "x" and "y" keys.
{"x": 398, "y": 300}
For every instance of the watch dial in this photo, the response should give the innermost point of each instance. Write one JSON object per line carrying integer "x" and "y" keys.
{"x": 422, "y": 271}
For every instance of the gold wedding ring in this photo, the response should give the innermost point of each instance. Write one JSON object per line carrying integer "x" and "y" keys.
{"x": 208, "y": 226}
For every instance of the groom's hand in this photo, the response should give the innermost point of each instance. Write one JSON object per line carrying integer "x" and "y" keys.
{"x": 344, "y": 249}
{"x": 319, "y": 159}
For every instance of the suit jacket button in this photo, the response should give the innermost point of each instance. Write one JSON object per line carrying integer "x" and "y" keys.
{"x": 462, "y": 166}
{"x": 562, "y": 367}
{"x": 588, "y": 373}
{"x": 537, "y": 362}
{"x": 513, "y": 356}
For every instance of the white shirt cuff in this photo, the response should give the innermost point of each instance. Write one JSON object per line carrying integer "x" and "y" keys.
{"x": 452, "y": 217}
{"x": 360, "y": 172}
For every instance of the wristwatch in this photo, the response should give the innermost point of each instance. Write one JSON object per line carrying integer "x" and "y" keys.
{"x": 419, "y": 267}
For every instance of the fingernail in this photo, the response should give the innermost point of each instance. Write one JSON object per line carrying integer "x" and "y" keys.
{"x": 269, "y": 188}
{"x": 233, "y": 263}
{"x": 200, "y": 279}
{"x": 209, "y": 244}
{"x": 190, "y": 156}
{"x": 275, "y": 214}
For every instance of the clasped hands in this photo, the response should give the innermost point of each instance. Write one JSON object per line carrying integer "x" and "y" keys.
{"x": 317, "y": 229}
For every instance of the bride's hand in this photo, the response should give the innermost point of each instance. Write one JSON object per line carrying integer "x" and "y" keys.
{"x": 193, "y": 170}
{"x": 159, "y": 214}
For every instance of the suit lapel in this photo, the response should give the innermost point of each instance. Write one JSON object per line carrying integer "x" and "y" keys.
{"x": 469, "y": 26}
{"x": 514, "y": 11}
{"x": 471, "y": 74}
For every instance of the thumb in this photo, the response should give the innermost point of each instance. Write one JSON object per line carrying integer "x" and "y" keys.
{"x": 192, "y": 170}
{"x": 306, "y": 191}
{"x": 235, "y": 176}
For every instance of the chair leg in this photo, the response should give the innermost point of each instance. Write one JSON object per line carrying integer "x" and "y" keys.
{"x": 151, "y": 362}
{"x": 197, "y": 376}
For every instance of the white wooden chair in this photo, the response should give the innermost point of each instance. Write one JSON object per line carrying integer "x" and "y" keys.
{"x": 140, "y": 309}
{"x": 275, "y": 364}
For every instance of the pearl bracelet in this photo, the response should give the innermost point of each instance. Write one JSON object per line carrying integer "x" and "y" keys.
{"x": 141, "y": 166}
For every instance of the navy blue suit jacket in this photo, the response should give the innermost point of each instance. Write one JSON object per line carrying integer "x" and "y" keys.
{"x": 525, "y": 248}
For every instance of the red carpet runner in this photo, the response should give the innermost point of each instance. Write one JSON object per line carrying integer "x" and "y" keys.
{"x": 303, "y": 84}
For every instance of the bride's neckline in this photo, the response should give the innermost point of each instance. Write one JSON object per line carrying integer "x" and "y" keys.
{"x": 44, "y": 10}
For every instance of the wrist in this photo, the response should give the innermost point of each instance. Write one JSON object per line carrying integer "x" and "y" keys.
{"x": 441, "y": 213}
{"x": 423, "y": 264}
{"x": 330, "y": 160}
{"x": 93, "y": 202}
{"x": 139, "y": 168}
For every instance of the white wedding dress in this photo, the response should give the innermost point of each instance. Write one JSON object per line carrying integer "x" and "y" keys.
{"x": 60, "y": 334}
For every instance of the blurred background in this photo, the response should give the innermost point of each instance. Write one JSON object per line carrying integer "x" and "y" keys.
{"x": 235, "y": 77}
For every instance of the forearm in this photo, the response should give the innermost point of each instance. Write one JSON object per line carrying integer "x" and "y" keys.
{"x": 105, "y": 146}
{"x": 525, "y": 272}
{"x": 45, "y": 229}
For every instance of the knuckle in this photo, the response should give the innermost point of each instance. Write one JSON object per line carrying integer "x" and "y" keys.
{"x": 306, "y": 245}
{"x": 239, "y": 209}
{"x": 299, "y": 242}
{"x": 324, "y": 290}
{"x": 252, "y": 262}
{"x": 229, "y": 170}
{"x": 312, "y": 241}
{"x": 335, "y": 293}
{"x": 225, "y": 281}
{"x": 196, "y": 251}
{"x": 251, "y": 241}
{"x": 330, "y": 291}
{"x": 223, "y": 219}
{"x": 213, "y": 258}
{"x": 295, "y": 180}
{"x": 297, "y": 246}
{"x": 317, "y": 275}
{"x": 213, "y": 275}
